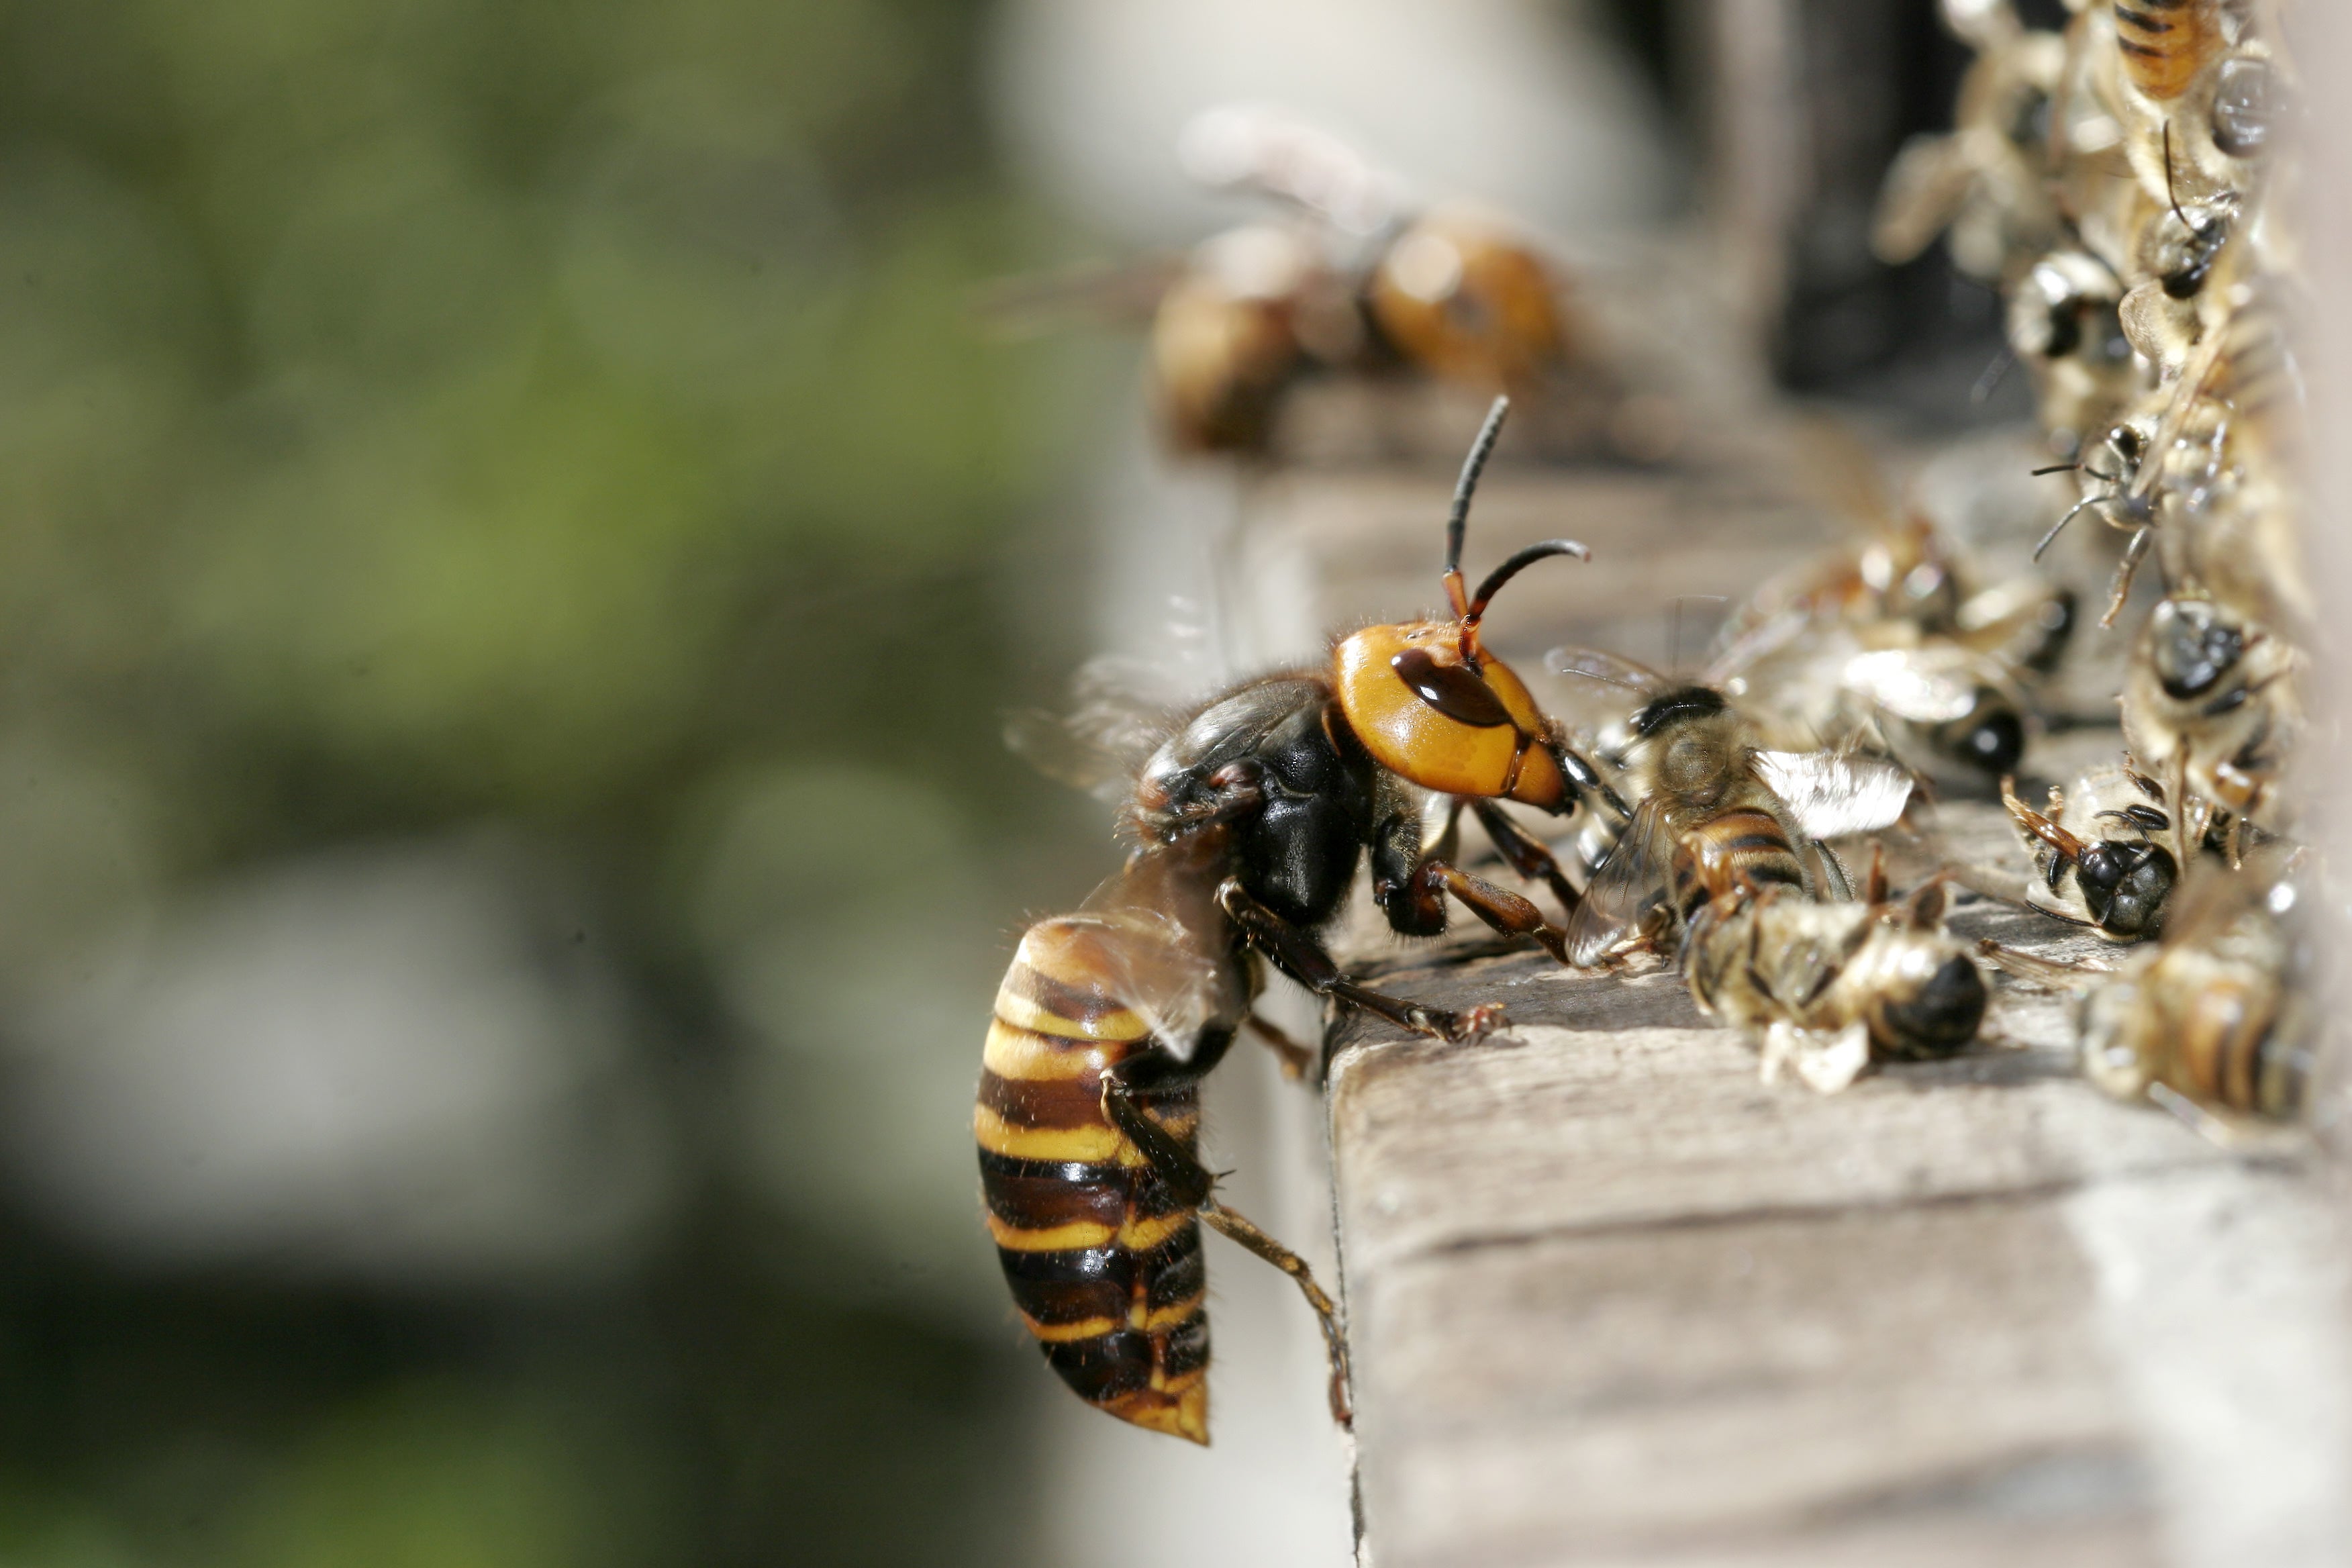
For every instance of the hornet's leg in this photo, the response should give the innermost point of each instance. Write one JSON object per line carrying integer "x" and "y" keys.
{"x": 1498, "y": 907}
{"x": 1295, "y": 1056}
{"x": 1300, "y": 956}
{"x": 1192, "y": 1184}
{"x": 1527, "y": 855}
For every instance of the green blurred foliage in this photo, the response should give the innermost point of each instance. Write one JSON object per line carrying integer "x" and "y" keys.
{"x": 568, "y": 413}
{"x": 434, "y": 395}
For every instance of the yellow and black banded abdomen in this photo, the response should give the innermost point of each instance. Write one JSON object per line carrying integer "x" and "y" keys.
{"x": 1747, "y": 843}
{"x": 2166, "y": 43}
{"x": 2230, "y": 1056}
{"x": 1103, "y": 1260}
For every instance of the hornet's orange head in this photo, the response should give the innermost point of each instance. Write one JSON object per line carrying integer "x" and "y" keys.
{"x": 1432, "y": 705}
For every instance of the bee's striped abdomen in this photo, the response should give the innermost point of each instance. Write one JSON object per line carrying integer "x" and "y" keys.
{"x": 1103, "y": 1260}
{"x": 1749, "y": 842}
{"x": 2166, "y": 43}
{"x": 2232, "y": 1057}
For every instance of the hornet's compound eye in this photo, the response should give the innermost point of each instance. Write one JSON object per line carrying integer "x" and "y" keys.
{"x": 1454, "y": 689}
{"x": 2192, "y": 649}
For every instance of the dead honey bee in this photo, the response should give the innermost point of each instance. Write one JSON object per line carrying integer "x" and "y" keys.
{"x": 2064, "y": 325}
{"x": 2210, "y": 710}
{"x": 1827, "y": 986}
{"x": 2099, "y": 858}
{"x": 2215, "y": 1021}
{"x": 2217, "y": 1014}
{"x": 1693, "y": 765}
{"x": 1941, "y": 681}
{"x": 1249, "y": 823}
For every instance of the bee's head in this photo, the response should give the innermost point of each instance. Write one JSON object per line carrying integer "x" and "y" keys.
{"x": 2192, "y": 646}
{"x": 2125, "y": 886}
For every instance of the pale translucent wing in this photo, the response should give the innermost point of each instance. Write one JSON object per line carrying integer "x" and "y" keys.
{"x": 1913, "y": 684}
{"x": 1108, "y": 293}
{"x": 1925, "y": 187}
{"x": 1749, "y": 640}
{"x": 1117, "y": 718}
{"x": 1833, "y": 794}
{"x": 1160, "y": 949}
{"x": 1598, "y": 691}
{"x": 1628, "y": 882}
{"x": 1591, "y": 664}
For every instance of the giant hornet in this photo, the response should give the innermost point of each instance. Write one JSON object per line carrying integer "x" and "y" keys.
{"x": 1248, "y": 824}
{"x": 1354, "y": 281}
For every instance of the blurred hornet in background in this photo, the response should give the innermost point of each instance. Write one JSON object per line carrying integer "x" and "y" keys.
{"x": 1696, "y": 772}
{"x": 1353, "y": 280}
{"x": 1248, "y": 823}
{"x": 1829, "y": 987}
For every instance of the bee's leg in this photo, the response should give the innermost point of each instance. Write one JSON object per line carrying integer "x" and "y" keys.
{"x": 1500, "y": 907}
{"x": 1300, "y": 956}
{"x": 2056, "y": 975}
{"x": 1192, "y": 1185}
{"x": 1296, "y": 1058}
{"x": 1527, "y": 855}
{"x": 2124, "y": 571}
{"x": 1834, "y": 872}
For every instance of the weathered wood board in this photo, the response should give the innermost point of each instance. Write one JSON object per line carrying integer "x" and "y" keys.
{"x": 1613, "y": 1299}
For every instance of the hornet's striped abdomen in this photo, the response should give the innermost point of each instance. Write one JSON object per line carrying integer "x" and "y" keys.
{"x": 2166, "y": 43}
{"x": 1749, "y": 843}
{"x": 1103, "y": 1260}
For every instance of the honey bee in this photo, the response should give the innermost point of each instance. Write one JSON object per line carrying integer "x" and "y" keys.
{"x": 1693, "y": 765}
{"x": 2064, "y": 326}
{"x": 2210, "y": 709}
{"x": 1248, "y": 824}
{"x": 1985, "y": 182}
{"x": 1944, "y": 689}
{"x": 1828, "y": 986}
{"x": 2098, "y": 858}
{"x": 2167, "y": 44}
{"x": 2217, "y": 1014}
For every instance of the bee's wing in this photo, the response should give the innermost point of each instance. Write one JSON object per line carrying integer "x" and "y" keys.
{"x": 1117, "y": 718}
{"x": 1834, "y": 795}
{"x": 1926, "y": 686}
{"x": 1596, "y": 693}
{"x": 1925, "y": 187}
{"x": 1107, "y": 293}
{"x": 1629, "y": 881}
{"x": 1750, "y": 639}
{"x": 1591, "y": 664}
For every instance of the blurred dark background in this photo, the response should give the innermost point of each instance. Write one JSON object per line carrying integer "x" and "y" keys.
{"x": 513, "y": 557}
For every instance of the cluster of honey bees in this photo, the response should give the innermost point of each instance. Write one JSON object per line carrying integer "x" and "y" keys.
{"x": 2130, "y": 186}
{"x": 2119, "y": 182}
